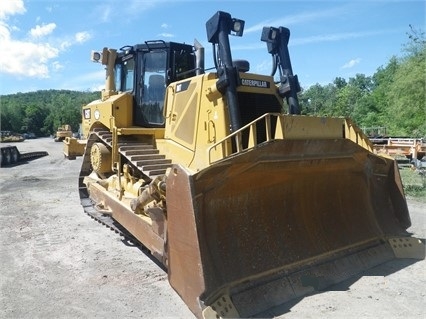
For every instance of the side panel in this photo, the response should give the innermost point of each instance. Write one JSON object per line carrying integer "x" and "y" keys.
{"x": 99, "y": 113}
{"x": 194, "y": 121}
{"x": 183, "y": 111}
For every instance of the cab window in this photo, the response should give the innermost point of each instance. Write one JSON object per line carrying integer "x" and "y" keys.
{"x": 154, "y": 79}
{"x": 124, "y": 74}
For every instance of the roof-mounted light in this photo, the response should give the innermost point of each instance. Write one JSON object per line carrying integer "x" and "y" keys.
{"x": 95, "y": 56}
{"x": 269, "y": 34}
{"x": 237, "y": 27}
{"x": 222, "y": 22}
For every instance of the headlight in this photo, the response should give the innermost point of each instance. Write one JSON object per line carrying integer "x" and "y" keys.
{"x": 237, "y": 27}
{"x": 95, "y": 56}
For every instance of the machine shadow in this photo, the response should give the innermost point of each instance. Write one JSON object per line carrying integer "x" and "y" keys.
{"x": 23, "y": 162}
{"x": 131, "y": 241}
{"x": 27, "y": 161}
{"x": 384, "y": 270}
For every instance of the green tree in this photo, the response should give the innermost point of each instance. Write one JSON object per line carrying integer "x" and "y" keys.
{"x": 394, "y": 97}
{"x": 339, "y": 82}
{"x": 20, "y": 112}
{"x": 406, "y": 112}
{"x": 318, "y": 99}
{"x": 34, "y": 119}
{"x": 12, "y": 117}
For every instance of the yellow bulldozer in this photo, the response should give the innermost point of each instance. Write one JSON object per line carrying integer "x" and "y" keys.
{"x": 63, "y": 132}
{"x": 246, "y": 203}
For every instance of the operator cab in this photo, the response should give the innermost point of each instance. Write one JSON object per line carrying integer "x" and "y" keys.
{"x": 146, "y": 70}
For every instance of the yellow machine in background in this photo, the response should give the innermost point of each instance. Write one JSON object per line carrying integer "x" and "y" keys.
{"x": 246, "y": 205}
{"x": 63, "y": 132}
{"x": 73, "y": 147}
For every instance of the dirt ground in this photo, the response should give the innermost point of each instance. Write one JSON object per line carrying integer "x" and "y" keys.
{"x": 56, "y": 262}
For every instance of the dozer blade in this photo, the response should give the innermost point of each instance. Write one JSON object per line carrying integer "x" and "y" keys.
{"x": 282, "y": 220}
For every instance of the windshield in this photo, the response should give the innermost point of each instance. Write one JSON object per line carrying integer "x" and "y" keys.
{"x": 154, "y": 79}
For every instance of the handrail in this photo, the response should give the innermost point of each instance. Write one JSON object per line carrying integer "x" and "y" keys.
{"x": 116, "y": 158}
{"x": 226, "y": 142}
{"x": 316, "y": 128}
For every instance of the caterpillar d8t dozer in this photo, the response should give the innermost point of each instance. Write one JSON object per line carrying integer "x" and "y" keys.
{"x": 247, "y": 205}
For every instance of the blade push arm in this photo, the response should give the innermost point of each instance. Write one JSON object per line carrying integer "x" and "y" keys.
{"x": 277, "y": 42}
{"x": 219, "y": 27}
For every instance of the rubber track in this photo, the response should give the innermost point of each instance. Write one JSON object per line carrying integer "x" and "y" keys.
{"x": 27, "y": 157}
{"x": 32, "y": 155}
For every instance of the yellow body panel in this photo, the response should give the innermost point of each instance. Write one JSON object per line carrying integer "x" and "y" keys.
{"x": 99, "y": 113}
{"x": 197, "y": 118}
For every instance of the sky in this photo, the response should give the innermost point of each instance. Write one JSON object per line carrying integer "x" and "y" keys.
{"x": 46, "y": 44}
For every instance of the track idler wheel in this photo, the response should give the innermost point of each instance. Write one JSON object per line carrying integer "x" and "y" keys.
{"x": 100, "y": 158}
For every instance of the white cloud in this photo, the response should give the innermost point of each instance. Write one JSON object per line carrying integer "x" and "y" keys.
{"x": 351, "y": 63}
{"x": 78, "y": 38}
{"x": 65, "y": 44}
{"x": 41, "y": 31}
{"x": 31, "y": 57}
{"x": 304, "y": 17}
{"x": 264, "y": 66}
{"x": 14, "y": 28}
{"x": 13, "y": 7}
{"x": 136, "y": 7}
{"x": 27, "y": 59}
{"x": 112, "y": 10}
{"x": 104, "y": 13}
{"x": 83, "y": 36}
{"x": 92, "y": 81}
{"x": 57, "y": 66}
{"x": 4, "y": 32}
{"x": 338, "y": 37}
{"x": 166, "y": 35}
{"x": 24, "y": 58}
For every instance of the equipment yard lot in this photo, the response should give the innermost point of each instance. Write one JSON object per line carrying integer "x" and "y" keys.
{"x": 56, "y": 262}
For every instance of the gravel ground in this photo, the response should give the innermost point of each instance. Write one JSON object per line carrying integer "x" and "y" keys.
{"x": 56, "y": 262}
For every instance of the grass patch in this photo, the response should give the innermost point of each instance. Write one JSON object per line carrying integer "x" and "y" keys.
{"x": 414, "y": 183}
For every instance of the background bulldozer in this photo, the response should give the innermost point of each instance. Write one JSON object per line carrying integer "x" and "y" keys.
{"x": 63, "y": 132}
{"x": 246, "y": 204}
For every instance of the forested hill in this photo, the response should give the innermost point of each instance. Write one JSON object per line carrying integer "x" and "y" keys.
{"x": 41, "y": 112}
